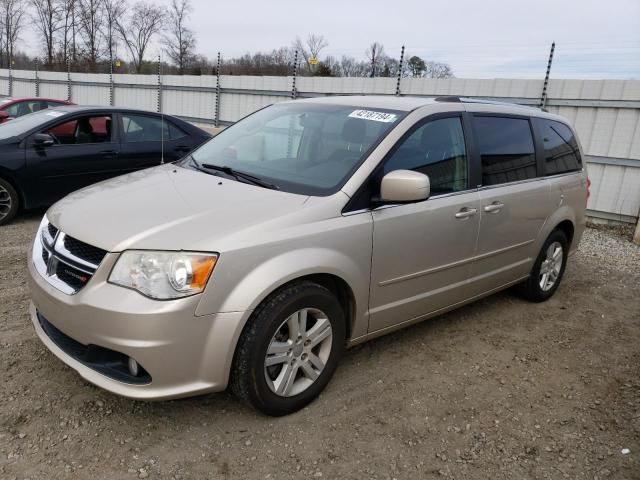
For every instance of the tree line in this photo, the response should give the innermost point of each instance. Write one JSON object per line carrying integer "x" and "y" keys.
{"x": 91, "y": 34}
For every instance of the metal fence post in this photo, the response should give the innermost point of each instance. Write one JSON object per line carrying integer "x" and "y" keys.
{"x": 400, "y": 71}
{"x": 216, "y": 118}
{"x": 294, "y": 92}
{"x": 636, "y": 235}
{"x": 37, "y": 79}
{"x": 10, "y": 76}
{"x": 543, "y": 98}
{"x": 68, "y": 79}
{"x": 111, "y": 80}
{"x": 159, "y": 105}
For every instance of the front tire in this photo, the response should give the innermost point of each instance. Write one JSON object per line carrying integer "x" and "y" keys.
{"x": 548, "y": 269}
{"x": 9, "y": 202}
{"x": 289, "y": 349}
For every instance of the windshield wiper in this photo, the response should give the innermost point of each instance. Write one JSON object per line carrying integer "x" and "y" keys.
{"x": 238, "y": 175}
{"x": 196, "y": 165}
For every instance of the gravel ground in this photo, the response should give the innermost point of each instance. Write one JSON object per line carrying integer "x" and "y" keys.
{"x": 500, "y": 389}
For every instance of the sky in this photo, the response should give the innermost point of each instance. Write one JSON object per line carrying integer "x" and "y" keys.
{"x": 478, "y": 38}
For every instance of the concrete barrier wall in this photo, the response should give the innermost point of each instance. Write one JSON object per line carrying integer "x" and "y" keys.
{"x": 606, "y": 113}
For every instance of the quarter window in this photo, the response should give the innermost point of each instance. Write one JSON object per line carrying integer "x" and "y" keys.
{"x": 50, "y": 104}
{"x": 561, "y": 152}
{"x": 506, "y": 149}
{"x": 436, "y": 149}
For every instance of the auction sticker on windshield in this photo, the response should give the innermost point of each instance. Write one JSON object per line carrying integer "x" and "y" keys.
{"x": 54, "y": 113}
{"x": 375, "y": 116}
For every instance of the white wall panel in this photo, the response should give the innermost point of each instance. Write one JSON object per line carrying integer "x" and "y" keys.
{"x": 610, "y": 131}
{"x": 614, "y": 189}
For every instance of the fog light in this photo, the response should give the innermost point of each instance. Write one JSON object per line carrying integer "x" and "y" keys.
{"x": 133, "y": 367}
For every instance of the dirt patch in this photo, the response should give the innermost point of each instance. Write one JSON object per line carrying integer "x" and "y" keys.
{"x": 500, "y": 389}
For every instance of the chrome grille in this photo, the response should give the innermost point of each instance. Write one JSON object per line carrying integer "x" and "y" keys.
{"x": 65, "y": 262}
{"x": 84, "y": 251}
{"x": 53, "y": 231}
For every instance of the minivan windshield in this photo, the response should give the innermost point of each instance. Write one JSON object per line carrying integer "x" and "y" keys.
{"x": 305, "y": 148}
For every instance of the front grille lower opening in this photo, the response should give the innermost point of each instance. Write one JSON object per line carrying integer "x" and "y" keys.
{"x": 103, "y": 360}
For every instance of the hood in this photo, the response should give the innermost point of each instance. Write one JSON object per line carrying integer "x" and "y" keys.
{"x": 169, "y": 208}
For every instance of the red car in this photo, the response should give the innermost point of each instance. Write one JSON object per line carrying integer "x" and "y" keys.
{"x": 17, "y": 107}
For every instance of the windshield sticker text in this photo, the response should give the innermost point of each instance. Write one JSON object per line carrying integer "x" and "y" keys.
{"x": 375, "y": 116}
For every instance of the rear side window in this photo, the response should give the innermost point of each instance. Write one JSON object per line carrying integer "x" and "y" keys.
{"x": 436, "y": 149}
{"x": 50, "y": 104}
{"x": 561, "y": 154}
{"x": 144, "y": 128}
{"x": 506, "y": 149}
{"x": 174, "y": 132}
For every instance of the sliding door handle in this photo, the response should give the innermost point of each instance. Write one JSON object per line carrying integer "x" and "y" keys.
{"x": 495, "y": 207}
{"x": 466, "y": 212}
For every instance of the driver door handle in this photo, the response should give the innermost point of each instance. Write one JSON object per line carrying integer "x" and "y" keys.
{"x": 494, "y": 207}
{"x": 466, "y": 212}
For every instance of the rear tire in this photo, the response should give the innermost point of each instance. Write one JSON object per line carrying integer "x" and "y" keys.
{"x": 289, "y": 349}
{"x": 548, "y": 269}
{"x": 9, "y": 202}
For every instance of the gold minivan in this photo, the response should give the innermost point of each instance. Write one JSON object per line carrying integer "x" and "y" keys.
{"x": 307, "y": 227}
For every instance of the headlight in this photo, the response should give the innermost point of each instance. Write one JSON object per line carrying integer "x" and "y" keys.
{"x": 163, "y": 275}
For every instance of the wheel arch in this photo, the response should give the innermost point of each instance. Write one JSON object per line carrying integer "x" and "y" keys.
{"x": 7, "y": 176}
{"x": 563, "y": 219}
{"x": 339, "y": 272}
{"x": 336, "y": 285}
{"x": 567, "y": 227}
{"x": 331, "y": 281}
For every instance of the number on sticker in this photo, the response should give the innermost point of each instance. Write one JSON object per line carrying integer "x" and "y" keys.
{"x": 375, "y": 116}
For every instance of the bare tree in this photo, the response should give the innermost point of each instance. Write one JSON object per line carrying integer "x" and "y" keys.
{"x": 11, "y": 22}
{"x": 315, "y": 44}
{"x": 113, "y": 10}
{"x": 67, "y": 28}
{"x": 375, "y": 55}
{"x": 47, "y": 20}
{"x": 90, "y": 23}
{"x": 144, "y": 21}
{"x": 179, "y": 42}
{"x": 310, "y": 48}
{"x": 438, "y": 70}
{"x": 1, "y": 34}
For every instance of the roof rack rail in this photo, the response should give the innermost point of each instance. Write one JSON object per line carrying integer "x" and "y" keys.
{"x": 457, "y": 99}
{"x": 448, "y": 98}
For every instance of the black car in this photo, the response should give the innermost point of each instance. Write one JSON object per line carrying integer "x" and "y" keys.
{"x": 48, "y": 154}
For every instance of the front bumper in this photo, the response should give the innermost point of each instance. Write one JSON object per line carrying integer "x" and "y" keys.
{"x": 184, "y": 354}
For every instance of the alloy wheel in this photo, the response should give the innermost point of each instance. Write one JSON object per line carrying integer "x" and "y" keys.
{"x": 298, "y": 352}
{"x": 5, "y": 202}
{"x": 551, "y": 266}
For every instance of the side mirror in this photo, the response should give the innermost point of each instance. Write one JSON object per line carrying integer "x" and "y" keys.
{"x": 43, "y": 140}
{"x": 404, "y": 186}
{"x": 4, "y": 116}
